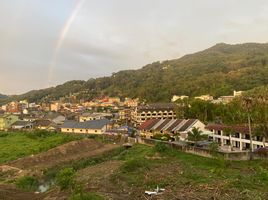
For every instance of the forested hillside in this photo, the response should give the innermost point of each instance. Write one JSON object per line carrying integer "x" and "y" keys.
{"x": 216, "y": 71}
{"x": 2, "y": 96}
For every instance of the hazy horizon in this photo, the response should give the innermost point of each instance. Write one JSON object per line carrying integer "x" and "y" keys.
{"x": 46, "y": 43}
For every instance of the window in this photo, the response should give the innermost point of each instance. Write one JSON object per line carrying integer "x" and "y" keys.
{"x": 96, "y": 131}
{"x": 81, "y": 130}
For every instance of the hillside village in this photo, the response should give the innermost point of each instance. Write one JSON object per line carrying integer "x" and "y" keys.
{"x": 130, "y": 117}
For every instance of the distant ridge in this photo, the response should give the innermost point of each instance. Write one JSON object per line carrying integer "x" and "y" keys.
{"x": 216, "y": 71}
{"x": 2, "y": 96}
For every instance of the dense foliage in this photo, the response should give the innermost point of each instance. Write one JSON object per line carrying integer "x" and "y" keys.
{"x": 217, "y": 71}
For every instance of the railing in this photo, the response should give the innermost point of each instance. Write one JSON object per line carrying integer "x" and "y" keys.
{"x": 245, "y": 155}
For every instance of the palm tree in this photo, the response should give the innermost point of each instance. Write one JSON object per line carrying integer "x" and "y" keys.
{"x": 195, "y": 135}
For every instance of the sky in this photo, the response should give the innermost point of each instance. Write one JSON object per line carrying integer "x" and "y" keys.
{"x": 48, "y": 42}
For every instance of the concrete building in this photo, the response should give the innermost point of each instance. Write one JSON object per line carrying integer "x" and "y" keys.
{"x": 205, "y": 97}
{"x": 152, "y": 111}
{"x": 94, "y": 116}
{"x": 175, "y": 98}
{"x": 87, "y": 127}
{"x": 239, "y": 139}
{"x": 7, "y": 120}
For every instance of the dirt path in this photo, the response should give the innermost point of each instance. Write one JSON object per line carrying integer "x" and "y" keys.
{"x": 9, "y": 192}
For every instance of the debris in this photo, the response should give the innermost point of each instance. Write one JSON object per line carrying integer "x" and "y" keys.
{"x": 157, "y": 191}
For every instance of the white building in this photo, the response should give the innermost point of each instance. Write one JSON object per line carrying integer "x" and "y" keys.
{"x": 175, "y": 98}
{"x": 239, "y": 139}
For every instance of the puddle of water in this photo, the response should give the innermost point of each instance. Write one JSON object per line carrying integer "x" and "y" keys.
{"x": 45, "y": 187}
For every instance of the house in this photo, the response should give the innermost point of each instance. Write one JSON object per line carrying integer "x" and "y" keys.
{"x": 238, "y": 140}
{"x": 179, "y": 127}
{"x": 94, "y": 116}
{"x": 152, "y": 111}
{"x": 22, "y": 125}
{"x": 205, "y": 97}
{"x": 45, "y": 124}
{"x": 6, "y": 121}
{"x": 175, "y": 98}
{"x": 88, "y": 127}
{"x": 55, "y": 117}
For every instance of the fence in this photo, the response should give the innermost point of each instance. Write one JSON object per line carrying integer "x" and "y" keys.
{"x": 206, "y": 152}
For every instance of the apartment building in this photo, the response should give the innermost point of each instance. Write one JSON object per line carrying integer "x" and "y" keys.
{"x": 152, "y": 111}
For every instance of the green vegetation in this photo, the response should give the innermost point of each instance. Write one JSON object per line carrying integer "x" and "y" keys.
{"x": 27, "y": 183}
{"x": 160, "y": 147}
{"x": 195, "y": 135}
{"x": 216, "y": 71}
{"x": 177, "y": 169}
{"x": 65, "y": 178}
{"x": 144, "y": 168}
{"x": 14, "y": 145}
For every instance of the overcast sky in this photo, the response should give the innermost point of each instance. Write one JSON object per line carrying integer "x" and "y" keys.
{"x": 48, "y": 42}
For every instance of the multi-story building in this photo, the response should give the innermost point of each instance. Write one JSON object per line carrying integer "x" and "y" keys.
{"x": 94, "y": 116}
{"x": 7, "y": 120}
{"x": 131, "y": 102}
{"x": 124, "y": 114}
{"x": 239, "y": 139}
{"x": 152, "y": 111}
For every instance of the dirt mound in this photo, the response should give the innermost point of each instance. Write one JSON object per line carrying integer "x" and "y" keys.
{"x": 71, "y": 151}
{"x": 8, "y": 192}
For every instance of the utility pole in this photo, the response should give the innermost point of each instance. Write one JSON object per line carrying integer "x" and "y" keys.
{"x": 248, "y": 103}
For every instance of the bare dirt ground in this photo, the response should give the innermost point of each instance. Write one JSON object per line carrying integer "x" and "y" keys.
{"x": 10, "y": 192}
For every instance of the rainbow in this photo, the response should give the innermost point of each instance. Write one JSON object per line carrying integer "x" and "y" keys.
{"x": 63, "y": 33}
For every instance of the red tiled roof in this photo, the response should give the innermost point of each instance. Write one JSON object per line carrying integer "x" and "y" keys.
{"x": 163, "y": 124}
{"x": 176, "y": 123}
{"x": 187, "y": 124}
{"x": 236, "y": 128}
{"x": 147, "y": 125}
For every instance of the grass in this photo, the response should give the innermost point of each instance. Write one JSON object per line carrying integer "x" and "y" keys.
{"x": 27, "y": 183}
{"x": 15, "y": 145}
{"x": 175, "y": 169}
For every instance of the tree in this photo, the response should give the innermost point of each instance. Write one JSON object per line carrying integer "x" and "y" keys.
{"x": 195, "y": 135}
{"x": 260, "y": 118}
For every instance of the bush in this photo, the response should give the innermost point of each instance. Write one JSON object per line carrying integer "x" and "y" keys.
{"x": 160, "y": 147}
{"x": 214, "y": 148}
{"x": 65, "y": 178}
{"x": 27, "y": 183}
{"x": 3, "y": 134}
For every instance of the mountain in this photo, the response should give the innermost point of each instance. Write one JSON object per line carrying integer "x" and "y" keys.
{"x": 216, "y": 71}
{"x": 2, "y": 96}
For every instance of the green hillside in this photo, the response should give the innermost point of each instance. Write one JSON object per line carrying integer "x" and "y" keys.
{"x": 217, "y": 71}
{"x": 2, "y": 96}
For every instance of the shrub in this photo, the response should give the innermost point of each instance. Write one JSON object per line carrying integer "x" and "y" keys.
{"x": 3, "y": 134}
{"x": 214, "y": 148}
{"x": 27, "y": 183}
{"x": 160, "y": 147}
{"x": 65, "y": 178}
